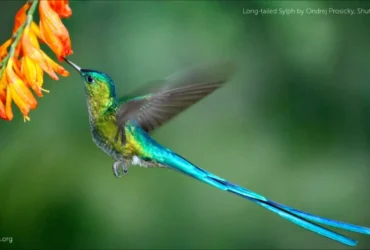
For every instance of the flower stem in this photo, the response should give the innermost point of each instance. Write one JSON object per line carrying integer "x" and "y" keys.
{"x": 17, "y": 36}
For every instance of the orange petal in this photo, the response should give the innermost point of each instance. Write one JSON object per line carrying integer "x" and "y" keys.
{"x": 3, "y": 98}
{"x": 17, "y": 98}
{"x": 30, "y": 71}
{"x": 39, "y": 81}
{"x": 33, "y": 32}
{"x": 3, "y": 88}
{"x": 61, "y": 7}
{"x": 2, "y": 111}
{"x": 17, "y": 68}
{"x": 18, "y": 50}
{"x": 4, "y": 49}
{"x": 2, "y": 93}
{"x": 21, "y": 95}
{"x": 8, "y": 105}
{"x": 53, "y": 31}
{"x": 36, "y": 54}
{"x": 39, "y": 75}
{"x": 56, "y": 67}
{"x": 36, "y": 31}
{"x": 21, "y": 17}
{"x": 51, "y": 39}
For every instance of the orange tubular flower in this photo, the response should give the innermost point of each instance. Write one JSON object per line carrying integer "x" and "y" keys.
{"x": 56, "y": 67}
{"x": 33, "y": 74}
{"x": 22, "y": 65}
{"x": 61, "y": 7}
{"x": 19, "y": 92}
{"x": 31, "y": 48}
{"x": 21, "y": 17}
{"x": 53, "y": 32}
{"x": 2, "y": 98}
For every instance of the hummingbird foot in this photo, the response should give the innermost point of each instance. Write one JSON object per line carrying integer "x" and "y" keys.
{"x": 120, "y": 169}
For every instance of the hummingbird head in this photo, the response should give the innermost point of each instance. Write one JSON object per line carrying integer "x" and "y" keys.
{"x": 97, "y": 84}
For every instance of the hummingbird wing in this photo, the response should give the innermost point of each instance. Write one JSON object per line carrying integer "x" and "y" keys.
{"x": 154, "y": 106}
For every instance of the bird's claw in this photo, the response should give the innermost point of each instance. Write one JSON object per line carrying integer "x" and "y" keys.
{"x": 120, "y": 169}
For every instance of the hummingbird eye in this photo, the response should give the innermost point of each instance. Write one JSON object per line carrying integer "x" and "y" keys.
{"x": 89, "y": 79}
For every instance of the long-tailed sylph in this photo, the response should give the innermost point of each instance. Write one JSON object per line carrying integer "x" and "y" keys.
{"x": 121, "y": 127}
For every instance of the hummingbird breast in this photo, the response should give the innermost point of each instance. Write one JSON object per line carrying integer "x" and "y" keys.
{"x": 104, "y": 130}
{"x": 104, "y": 135}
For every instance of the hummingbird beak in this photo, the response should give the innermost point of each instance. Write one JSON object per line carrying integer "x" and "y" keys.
{"x": 72, "y": 64}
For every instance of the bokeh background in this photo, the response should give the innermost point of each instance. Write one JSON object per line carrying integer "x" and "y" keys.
{"x": 293, "y": 124}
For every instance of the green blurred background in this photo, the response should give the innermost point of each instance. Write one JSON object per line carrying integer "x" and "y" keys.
{"x": 294, "y": 125}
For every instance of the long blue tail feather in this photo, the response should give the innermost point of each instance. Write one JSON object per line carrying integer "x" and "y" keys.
{"x": 325, "y": 221}
{"x": 300, "y": 218}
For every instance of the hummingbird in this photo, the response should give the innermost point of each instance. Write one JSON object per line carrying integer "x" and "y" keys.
{"x": 121, "y": 128}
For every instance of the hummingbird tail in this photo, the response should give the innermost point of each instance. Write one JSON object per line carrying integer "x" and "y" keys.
{"x": 303, "y": 219}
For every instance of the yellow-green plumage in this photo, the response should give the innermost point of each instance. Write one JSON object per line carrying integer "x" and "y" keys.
{"x": 105, "y": 130}
{"x": 102, "y": 104}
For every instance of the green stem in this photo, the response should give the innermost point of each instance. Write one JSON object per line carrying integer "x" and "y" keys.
{"x": 17, "y": 36}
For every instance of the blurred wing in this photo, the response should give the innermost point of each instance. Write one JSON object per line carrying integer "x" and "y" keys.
{"x": 150, "y": 87}
{"x": 172, "y": 96}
